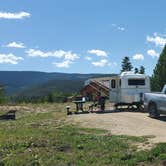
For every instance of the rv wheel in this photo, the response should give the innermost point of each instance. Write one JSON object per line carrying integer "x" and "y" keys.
{"x": 153, "y": 113}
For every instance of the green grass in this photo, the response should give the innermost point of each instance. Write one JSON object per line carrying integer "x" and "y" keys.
{"x": 47, "y": 139}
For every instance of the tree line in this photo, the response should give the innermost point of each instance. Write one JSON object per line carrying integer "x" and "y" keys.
{"x": 127, "y": 66}
{"x": 55, "y": 96}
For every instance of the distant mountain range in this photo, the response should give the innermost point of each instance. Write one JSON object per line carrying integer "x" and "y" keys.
{"x": 30, "y": 83}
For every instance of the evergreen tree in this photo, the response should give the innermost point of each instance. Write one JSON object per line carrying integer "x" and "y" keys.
{"x": 136, "y": 70}
{"x": 3, "y": 98}
{"x": 159, "y": 73}
{"x": 50, "y": 98}
{"x": 126, "y": 64}
{"x": 142, "y": 70}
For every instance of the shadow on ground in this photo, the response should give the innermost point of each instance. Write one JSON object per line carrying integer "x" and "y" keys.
{"x": 162, "y": 118}
{"x": 102, "y": 112}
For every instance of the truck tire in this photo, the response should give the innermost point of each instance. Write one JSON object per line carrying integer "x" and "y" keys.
{"x": 153, "y": 112}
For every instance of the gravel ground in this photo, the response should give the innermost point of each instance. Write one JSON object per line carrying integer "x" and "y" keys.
{"x": 125, "y": 123}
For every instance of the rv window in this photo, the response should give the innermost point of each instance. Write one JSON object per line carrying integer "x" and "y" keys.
{"x": 113, "y": 83}
{"x": 136, "y": 82}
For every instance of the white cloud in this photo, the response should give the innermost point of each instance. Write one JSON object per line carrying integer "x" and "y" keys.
{"x": 138, "y": 57}
{"x": 117, "y": 27}
{"x": 153, "y": 53}
{"x": 39, "y": 53}
{"x": 67, "y": 55}
{"x": 101, "y": 63}
{"x": 20, "y": 15}
{"x": 121, "y": 28}
{"x": 100, "y": 53}
{"x": 63, "y": 64}
{"x": 114, "y": 25}
{"x": 70, "y": 56}
{"x": 9, "y": 58}
{"x": 15, "y": 45}
{"x": 158, "y": 40}
{"x": 88, "y": 58}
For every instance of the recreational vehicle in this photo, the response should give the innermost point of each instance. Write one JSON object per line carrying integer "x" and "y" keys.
{"x": 128, "y": 88}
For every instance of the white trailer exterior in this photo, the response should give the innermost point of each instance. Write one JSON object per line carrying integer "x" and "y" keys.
{"x": 128, "y": 87}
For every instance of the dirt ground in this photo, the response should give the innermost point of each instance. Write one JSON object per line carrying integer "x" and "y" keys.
{"x": 125, "y": 123}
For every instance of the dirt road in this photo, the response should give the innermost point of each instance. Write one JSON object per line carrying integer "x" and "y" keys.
{"x": 125, "y": 123}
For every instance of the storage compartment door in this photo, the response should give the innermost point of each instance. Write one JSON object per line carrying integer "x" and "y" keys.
{"x": 113, "y": 91}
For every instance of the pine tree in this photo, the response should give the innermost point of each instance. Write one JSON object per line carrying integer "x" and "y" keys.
{"x": 136, "y": 70}
{"x": 126, "y": 64}
{"x": 159, "y": 73}
{"x": 142, "y": 70}
{"x": 3, "y": 98}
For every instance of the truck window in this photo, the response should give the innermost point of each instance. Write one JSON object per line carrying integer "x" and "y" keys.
{"x": 132, "y": 82}
{"x": 113, "y": 84}
{"x": 164, "y": 89}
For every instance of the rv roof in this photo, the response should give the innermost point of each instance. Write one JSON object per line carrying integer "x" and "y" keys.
{"x": 132, "y": 74}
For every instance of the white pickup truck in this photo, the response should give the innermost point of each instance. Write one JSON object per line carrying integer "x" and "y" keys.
{"x": 155, "y": 103}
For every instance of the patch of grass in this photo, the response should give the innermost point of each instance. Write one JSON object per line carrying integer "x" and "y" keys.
{"x": 44, "y": 138}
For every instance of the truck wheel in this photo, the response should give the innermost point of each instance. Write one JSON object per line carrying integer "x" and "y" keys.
{"x": 153, "y": 112}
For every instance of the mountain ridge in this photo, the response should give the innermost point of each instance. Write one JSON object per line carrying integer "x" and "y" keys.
{"x": 16, "y": 82}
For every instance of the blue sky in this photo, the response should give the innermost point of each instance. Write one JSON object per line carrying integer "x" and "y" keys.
{"x": 80, "y": 36}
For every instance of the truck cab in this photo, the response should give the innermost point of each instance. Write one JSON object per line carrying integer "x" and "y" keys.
{"x": 155, "y": 103}
{"x": 164, "y": 89}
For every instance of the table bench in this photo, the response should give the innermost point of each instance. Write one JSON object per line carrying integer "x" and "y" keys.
{"x": 11, "y": 114}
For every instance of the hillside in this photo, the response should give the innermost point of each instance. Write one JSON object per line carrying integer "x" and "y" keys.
{"x": 41, "y": 83}
{"x": 65, "y": 86}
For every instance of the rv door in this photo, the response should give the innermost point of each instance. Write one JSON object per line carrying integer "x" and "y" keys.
{"x": 113, "y": 91}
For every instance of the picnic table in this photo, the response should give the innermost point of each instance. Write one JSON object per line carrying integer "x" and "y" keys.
{"x": 79, "y": 105}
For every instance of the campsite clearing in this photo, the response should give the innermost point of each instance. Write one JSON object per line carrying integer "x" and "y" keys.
{"x": 125, "y": 123}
